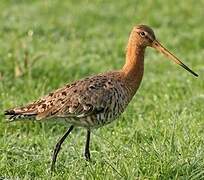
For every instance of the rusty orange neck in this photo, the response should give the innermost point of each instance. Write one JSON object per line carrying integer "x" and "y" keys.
{"x": 134, "y": 65}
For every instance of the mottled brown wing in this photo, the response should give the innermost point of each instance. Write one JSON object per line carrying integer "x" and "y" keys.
{"x": 79, "y": 99}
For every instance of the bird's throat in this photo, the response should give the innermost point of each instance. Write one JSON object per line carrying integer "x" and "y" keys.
{"x": 134, "y": 65}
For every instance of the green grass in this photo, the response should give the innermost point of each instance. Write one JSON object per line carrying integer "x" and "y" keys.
{"x": 160, "y": 136}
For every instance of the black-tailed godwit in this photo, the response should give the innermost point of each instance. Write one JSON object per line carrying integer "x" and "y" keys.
{"x": 97, "y": 100}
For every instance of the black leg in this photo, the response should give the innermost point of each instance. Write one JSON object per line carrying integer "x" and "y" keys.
{"x": 87, "y": 152}
{"x": 58, "y": 146}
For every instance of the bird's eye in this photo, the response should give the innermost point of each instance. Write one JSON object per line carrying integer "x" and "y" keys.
{"x": 142, "y": 34}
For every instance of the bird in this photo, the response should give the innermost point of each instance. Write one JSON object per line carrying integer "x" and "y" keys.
{"x": 97, "y": 100}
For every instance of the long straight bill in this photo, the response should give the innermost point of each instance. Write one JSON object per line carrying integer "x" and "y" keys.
{"x": 163, "y": 50}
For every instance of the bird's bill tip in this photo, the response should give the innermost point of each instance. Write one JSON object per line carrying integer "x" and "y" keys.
{"x": 157, "y": 45}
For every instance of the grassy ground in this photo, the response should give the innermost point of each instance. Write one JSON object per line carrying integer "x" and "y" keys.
{"x": 45, "y": 44}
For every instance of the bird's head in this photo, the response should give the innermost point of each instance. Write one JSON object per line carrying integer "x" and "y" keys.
{"x": 144, "y": 36}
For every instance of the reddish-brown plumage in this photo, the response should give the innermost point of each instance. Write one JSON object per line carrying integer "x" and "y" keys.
{"x": 96, "y": 100}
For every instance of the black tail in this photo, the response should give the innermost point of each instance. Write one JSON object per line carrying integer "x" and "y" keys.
{"x": 9, "y": 112}
{"x": 17, "y": 115}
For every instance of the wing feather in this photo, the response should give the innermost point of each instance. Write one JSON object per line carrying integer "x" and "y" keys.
{"x": 79, "y": 99}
